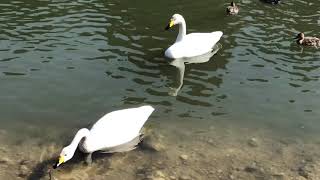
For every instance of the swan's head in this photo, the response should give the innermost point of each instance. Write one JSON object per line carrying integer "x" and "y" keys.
{"x": 175, "y": 19}
{"x": 65, "y": 155}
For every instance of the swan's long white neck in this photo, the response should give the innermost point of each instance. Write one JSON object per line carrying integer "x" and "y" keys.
{"x": 84, "y": 132}
{"x": 182, "y": 30}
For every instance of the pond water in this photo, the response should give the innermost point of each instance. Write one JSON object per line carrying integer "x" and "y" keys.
{"x": 64, "y": 64}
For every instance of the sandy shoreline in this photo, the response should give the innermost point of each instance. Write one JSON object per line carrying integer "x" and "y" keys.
{"x": 213, "y": 152}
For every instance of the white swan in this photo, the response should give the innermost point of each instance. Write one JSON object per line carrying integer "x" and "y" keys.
{"x": 193, "y": 44}
{"x": 117, "y": 131}
{"x": 190, "y": 45}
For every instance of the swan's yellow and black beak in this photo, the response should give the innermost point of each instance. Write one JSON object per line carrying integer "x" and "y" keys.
{"x": 59, "y": 162}
{"x": 171, "y": 23}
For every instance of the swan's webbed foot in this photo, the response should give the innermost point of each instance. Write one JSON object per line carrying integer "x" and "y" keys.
{"x": 89, "y": 159}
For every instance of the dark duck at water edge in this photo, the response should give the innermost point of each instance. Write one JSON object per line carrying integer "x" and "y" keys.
{"x": 272, "y": 1}
{"x": 307, "y": 41}
{"x": 233, "y": 9}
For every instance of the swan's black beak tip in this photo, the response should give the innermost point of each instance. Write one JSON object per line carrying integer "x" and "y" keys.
{"x": 167, "y": 27}
{"x": 56, "y": 165}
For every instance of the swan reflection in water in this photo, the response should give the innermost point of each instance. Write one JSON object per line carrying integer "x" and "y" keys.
{"x": 180, "y": 65}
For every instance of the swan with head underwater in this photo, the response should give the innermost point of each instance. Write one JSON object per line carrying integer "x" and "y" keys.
{"x": 117, "y": 131}
{"x": 190, "y": 45}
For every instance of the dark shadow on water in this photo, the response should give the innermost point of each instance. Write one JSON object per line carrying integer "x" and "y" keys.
{"x": 45, "y": 168}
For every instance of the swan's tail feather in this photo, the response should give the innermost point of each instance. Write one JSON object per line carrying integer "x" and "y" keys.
{"x": 217, "y": 33}
{"x": 216, "y": 36}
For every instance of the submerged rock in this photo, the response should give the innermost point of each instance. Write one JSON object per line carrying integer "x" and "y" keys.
{"x": 23, "y": 171}
{"x": 3, "y": 150}
{"x": 184, "y": 177}
{"x": 153, "y": 142}
{"x": 253, "y": 142}
{"x": 279, "y": 176}
{"x": 4, "y": 160}
{"x": 159, "y": 174}
{"x": 158, "y": 178}
{"x": 184, "y": 157}
{"x": 251, "y": 168}
{"x": 304, "y": 172}
{"x": 231, "y": 177}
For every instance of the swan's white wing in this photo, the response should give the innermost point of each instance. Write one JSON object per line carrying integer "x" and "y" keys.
{"x": 117, "y": 127}
{"x": 193, "y": 44}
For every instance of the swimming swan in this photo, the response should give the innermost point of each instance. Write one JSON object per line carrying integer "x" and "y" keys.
{"x": 117, "y": 131}
{"x": 193, "y": 44}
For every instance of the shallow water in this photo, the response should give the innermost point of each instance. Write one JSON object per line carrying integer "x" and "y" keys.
{"x": 65, "y": 64}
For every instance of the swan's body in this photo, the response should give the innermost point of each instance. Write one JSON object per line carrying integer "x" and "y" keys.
{"x": 117, "y": 131}
{"x": 190, "y": 45}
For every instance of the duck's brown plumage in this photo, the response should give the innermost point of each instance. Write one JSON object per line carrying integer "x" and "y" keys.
{"x": 233, "y": 9}
{"x": 308, "y": 41}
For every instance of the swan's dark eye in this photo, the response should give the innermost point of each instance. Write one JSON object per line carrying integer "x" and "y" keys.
{"x": 65, "y": 154}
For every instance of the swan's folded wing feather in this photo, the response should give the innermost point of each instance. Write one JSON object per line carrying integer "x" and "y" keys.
{"x": 117, "y": 127}
{"x": 123, "y": 147}
{"x": 194, "y": 44}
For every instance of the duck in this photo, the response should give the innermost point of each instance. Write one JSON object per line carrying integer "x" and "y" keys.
{"x": 233, "y": 9}
{"x": 272, "y": 1}
{"x": 117, "y": 131}
{"x": 190, "y": 45}
{"x": 307, "y": 41}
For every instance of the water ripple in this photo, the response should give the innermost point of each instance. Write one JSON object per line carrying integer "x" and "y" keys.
{"x": 114, "y": 51}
